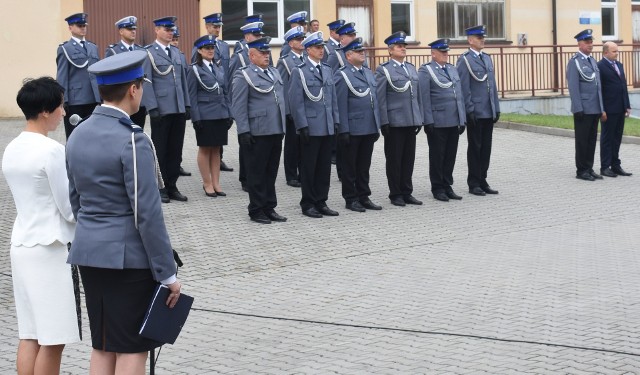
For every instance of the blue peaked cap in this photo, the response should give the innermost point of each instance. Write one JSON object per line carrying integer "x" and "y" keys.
{"x": 119, "y": 68}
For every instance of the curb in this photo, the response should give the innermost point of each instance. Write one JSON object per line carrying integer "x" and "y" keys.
{"x": 554, "y": 131}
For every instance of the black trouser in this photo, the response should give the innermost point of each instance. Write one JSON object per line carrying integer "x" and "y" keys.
{"x": 291, "y": 152}
{"x": 610, "y": 139}
{"x": 400, "y": 155}
{"x": 356, "y": 162}
{"x": 443, "y": 146}
{"x": 262, "y": 160}
{"x": 82, "y": 110}
{"x": 479, "y": 137}
{"x": 315, "y": 171}
{"x": 140, "y": 117}
{"x": 242, "y": 171}
{"x": 586, "y": 129}
{"x": 167, "y": 134}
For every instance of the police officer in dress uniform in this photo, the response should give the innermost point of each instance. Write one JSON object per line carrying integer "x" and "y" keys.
{"x": 73, "y": 59}
{"x": 296, "y": 19}
{"x": 332, "y": 43}
{"x": 444, "y": 117}
{"x": 583, "y": 77}
{"x": 167, "y": 101}
{"x": 478, "y": 80}
{"x": 401, "y": 118}
{"x": 359, "y": 126}
{"x": 258, "y": 105}
{"x": 346, "y": 33}
{"x": 286, "y": 64}
{"x": 314, "y": 108}
{"x": 127, "y": 27}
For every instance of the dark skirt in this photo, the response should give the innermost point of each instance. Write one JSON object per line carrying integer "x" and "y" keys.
{"x": 117, "y": 301}
{"x": 210, "y": 133}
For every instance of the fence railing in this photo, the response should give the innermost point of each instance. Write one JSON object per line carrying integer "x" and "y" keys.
{"x": 526, "y": 70}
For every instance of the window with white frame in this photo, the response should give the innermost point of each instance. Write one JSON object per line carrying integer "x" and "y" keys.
{"x": 454, "y": 16}
{"x": 609, "y": 20}
{"x": 274, "y": 16}
{"x": 402, "y": 17}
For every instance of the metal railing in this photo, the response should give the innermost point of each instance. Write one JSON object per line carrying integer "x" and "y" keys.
{"x": 525, "y": 70}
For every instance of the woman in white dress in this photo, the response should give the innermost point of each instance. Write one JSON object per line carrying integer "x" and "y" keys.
{"x": 34, "y": 167}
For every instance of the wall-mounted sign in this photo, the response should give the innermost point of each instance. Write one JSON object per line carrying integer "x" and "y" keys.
{"x": 590, "y": 18}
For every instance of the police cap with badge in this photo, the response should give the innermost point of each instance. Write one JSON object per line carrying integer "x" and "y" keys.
{"x": 347, "y": 28}
{"x": 253, "y": 18}
{"x": 314, "y": 39}
{"x": 120, "y": 68}
{"x": 206, "y": 40}
{"x": 261, "y": 44}
{"x": 479, "y": 31}
{"x": 253, "y": 28}
{"x": 215, "y": 18}
{"x": 355, "y": 46}
{"x": 396, "y": 38}
{"x": 77, "y": 19}
{"x": 167, "y": 22}
{"x": 335, "y": 24}
{"x": 298, "y": 17}
{"x": 128, "y": 22}
{"x": 441, "y": 45}
{"x": 584, "y": 35}
{"x": 293, "y": 33}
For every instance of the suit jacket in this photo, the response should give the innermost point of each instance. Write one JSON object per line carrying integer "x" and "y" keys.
{"x": 329, "y": 49}
{"x": 441, "y": 106}
{"x": 319, "y": 116}
{"x": 119, "y": 48}
{"x": 167, "y": 92}
{"x": 208, "y": 102}
{"x": 480, "y": 97}
{"x": 359, "y": 115}
{"x": 260, "y": 113}
{"x": 584, "y": 85}
{"x": 285, "y": 65}
{"x": 220, "y": 56}
{"x": 398, "y": 108}
{"x": 101, "y": 190}
{"x": 80, "y": 87}
{"x": 615, "y": 96}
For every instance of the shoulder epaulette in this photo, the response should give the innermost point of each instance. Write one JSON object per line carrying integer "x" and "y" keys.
{"x": 466, "y": 52}
{"x": 112, "y": 45}
{"x": 63, "y": 43}
{"x": 137, "y": 45}
{"x": 385, "y": 63}
{"x": 194, "y": 63}
{"x": 283, "y": 56}
{"x": 324, "y": 63}
{"x": 243, "y": 67}
{"x": 301, "y": 64}
{"x": 408, "y": 62}
{"x": 342, "y": 67}
{"x": 148, "y": 46}
{"x": 88, "y": 41}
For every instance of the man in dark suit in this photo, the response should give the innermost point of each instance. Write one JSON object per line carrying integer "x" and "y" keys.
{"x": 615, "y": 99}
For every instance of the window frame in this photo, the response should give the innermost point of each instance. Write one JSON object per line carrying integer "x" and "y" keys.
{"x": 610, "y": 5}
{"x": 412, "y": 25}
{"x": 480, "y": 21}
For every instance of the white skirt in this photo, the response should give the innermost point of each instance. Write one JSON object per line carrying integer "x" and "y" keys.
{"x": 43, "y": 291}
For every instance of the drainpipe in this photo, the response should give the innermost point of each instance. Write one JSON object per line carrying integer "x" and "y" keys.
{"x": 554, "y": 32}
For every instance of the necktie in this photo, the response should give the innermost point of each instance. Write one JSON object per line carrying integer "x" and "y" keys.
{"x": 446, "y": 72}
{"x": 83, "y": 45}
{"x": 615, "y": 66}
{"x": 405, "y": 68}
{"x": 266, "y": 71}
{"x": 168, "y": 51}
{"x": 130, "y": 48}
{"x": 211, "y": 67}
{"x": 319, "y": 69}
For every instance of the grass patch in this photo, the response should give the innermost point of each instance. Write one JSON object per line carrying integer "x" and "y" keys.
{"x": 631, "y": 125}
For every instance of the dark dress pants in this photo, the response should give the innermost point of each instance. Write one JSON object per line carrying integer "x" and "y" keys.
{"x": 291, "y": 152}
{"x": 262, "y": 160}
{"x": 586, "y": 129}
{"x": 242, "y": 171}
{"x": 610, "y": 139}
{"x": 82, "y": 110}
{"x": 443, "y": 146}
{"x": 315, "y": 171}
{"x": 479, "y": 137}
{"x": 167, "y": 134}
{"x": 356, "y": 162}
{"x": 400, "y": 155}
{"x": 140, "y": 117}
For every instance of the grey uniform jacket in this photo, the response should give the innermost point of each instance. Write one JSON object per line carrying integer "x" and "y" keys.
{"x": 80, "y": 87}
{"x": 478, "y": 82}
{"x": 584, "y": 85}
{"x": 285, "y": 66}
{"x": 220, "y": 56}
{"x": 337, "y": 60}
{"x": 441, "y": 106}
{"x": 398, "y": 94}
{"x": 240, "y": 57}
{"x": 257, "y": 104}
{"x": 329, "y": 49}
{"x": 101, "y": 189}
{"x": 119, "y": 48}
{"x": 207, "y": 93}
{"x": 286, "y": 49}
{"x": 320, "y": 114}
{"x": 359, "y": 113}
{"x": 167, "y": 91}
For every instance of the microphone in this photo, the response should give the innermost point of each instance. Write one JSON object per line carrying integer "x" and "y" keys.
{"x": 75, "y": 119}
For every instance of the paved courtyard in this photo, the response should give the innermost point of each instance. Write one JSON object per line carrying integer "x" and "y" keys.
{"x": 542, "y": 279}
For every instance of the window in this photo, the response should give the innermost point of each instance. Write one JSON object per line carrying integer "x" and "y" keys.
{"x": 274, "y": 16}
{"x": 455, "y": 16}
{"x": 402, "y": 17}
{"x": 609, "y": 20}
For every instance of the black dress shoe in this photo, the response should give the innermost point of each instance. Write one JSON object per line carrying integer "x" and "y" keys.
{"x": 177, "y": 196}
{"x": 452, "y": 195}
{"x": 184, "y": 173}
{"x": 488, "y": 190}
{"x": 261, "y": 218}
{"x": 397, "y": 201}
{"x": 410, "y": 199}
{"x": 224, "y": 167}
{"x": 354, "y": 206}
{"x": 164, "y": 196}
{"x": 619, "y": 171}
{"x": 274, "y": 216}
{"x": 608, "y": 172}
{"x": 294, "y": 183}
{"x": 212, "y": 195}
{"x": 312, "y": 212}
{"x": 441, "y": 197}
{"x": 595, "y": 175}
{"x": 370, "y": 205}
{"x": 477, "y": 191}
{"x": 326, "y": 211}
{"x": 585, "y": 176}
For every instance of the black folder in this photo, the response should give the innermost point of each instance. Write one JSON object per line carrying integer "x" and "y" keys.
{"x": 162, "y": 323}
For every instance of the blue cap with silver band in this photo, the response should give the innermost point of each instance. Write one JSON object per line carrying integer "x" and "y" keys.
{"x": 299, "y": 17}
{"x": 294, "y": 32}
{"x": 313, "y": 40}
{"x": 252, "y": 28}
{"x": 119, "y": 68}
{"x": 129, "y": 22}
